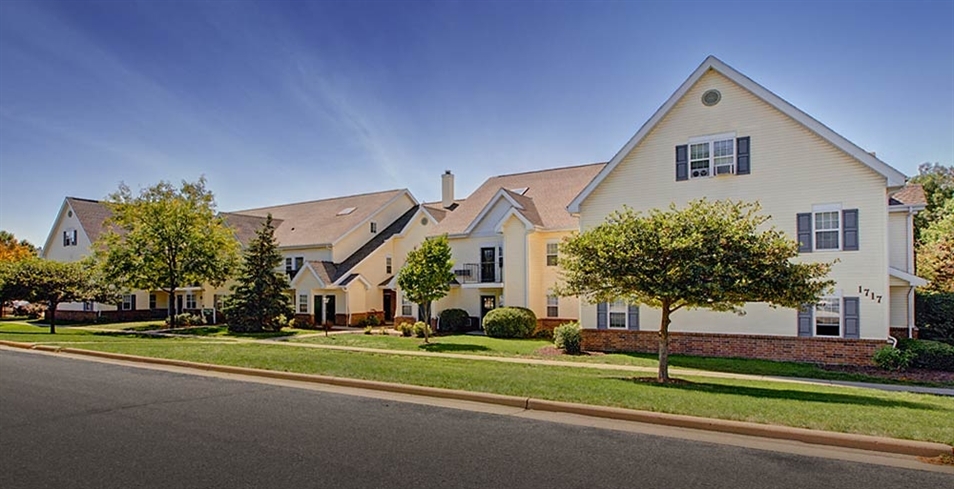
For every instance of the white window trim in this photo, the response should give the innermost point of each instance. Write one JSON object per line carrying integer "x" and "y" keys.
{"x": 556, "y": 255}
{"x": 709, "y": 139}
{"x": 388, "y": 264}
{"x": 407, "y": 303}
{"x": 819, "y": 208}
{"x": 614, "y": 307}
{"x": 553, "y": 301}
{"x": 187, "y": 299}
{"x": 841, "y": 316}
{"x": 127, "y": 302}
{"x": 374, "y": 227}
{"x": 303, "y": 301}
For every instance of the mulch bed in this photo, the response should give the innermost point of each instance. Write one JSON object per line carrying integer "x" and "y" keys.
{"x": 913, "y": 375}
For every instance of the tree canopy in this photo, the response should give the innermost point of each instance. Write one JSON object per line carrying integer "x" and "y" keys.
{"x": 13, "y": 250}
{"x": 707, "y": 255}
{"x": 938, "y": 183}
{"x": 258, "y": 301}
{"x": 935, "y": 256}
{"x": 53, "y": 282}
{"x": 166, "y": 237}
{"x": 426, "y": 274}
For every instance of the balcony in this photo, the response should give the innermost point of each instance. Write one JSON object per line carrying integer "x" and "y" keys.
{"x": 479, "y": 273}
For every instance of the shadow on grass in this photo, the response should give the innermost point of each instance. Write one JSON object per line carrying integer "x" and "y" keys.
{"x": 127, "y": 334}
{"x": 452, "y": 347}
{"x": 790, "y": 395}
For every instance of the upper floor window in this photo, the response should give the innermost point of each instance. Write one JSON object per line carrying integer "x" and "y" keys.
{"x": 827, "y": 230}
{"x": 69, "y": 237}
{"x": 707, "y": 156}
{"x": 827, "y": 227}
{"x": 552, "y": 254}
{"x": 374, "y": 227}
{"x": 294, "y": 264}
{"x": 387, "y": 264}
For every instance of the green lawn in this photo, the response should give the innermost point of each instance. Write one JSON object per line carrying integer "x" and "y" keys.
{"x": 482, "y": 345}
{"x": 871, "y": 412}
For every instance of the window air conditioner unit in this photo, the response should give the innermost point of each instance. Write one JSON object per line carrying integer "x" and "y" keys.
{"x": 700, "y": 173}
{"x": 725, "y": 169}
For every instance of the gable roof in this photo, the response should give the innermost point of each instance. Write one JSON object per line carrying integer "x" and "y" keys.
{"x": 92, "y": 214}
{"x": 246, "y": 227}
{"x": 894, "y": 177}
{"x": 374, "y": 243}
{"x": 322, "y": 222}
{"x": 544, "y": 202}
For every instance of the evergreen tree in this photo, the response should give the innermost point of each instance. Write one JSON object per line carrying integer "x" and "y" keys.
{"x": 259, "y": 301}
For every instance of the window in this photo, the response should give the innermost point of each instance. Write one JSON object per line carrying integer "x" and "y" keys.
{"x": 288, "y": 266}
{"x": 190, "y": 301}
{"x": 293, "y": 265}
{"x": 69, "y": 237}
{"x": 407, "y": 307}
{"x": 299, "y": 262}
{"x": 828, "y": 317}
{"x": 827, "y": 230}
{"x": 303, "y": 303}
{"x": 553, "y": 306}
{"x": 374, "y": 227}
{"x": 387, "y": 264}
{"x": 152, "y": 301}
{"x": 88, "y": 306}
{"x": 713, "y": 157}
{"x": 552, "y": 254}
{"x": 617, "y": 315}
{"x": 128, "y": 301}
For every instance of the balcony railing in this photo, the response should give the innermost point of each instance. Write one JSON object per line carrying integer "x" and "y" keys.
{"x": 478, "y": 273}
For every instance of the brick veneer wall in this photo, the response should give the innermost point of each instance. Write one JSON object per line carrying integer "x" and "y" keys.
{"x": 831, "y": 351}
{"x": 545, "y": 326}
{"x": 107, "y": 316}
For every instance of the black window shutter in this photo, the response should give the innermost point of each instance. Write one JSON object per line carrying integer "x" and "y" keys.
{"x": 633, "y": 322}
{"x": 805, "y": 320}
{"x": 742, "y": 166}
{"x": 66, "y": 238}
{"x": 133, "y": 302}
{"x": 73, "y": 240}
{"x": 852, "y": 318}
{"x": 682, "y": 162}
{"x": 804, "y": 226}
{"x": 602, "y": 315}
{"x": 849, "y": 218}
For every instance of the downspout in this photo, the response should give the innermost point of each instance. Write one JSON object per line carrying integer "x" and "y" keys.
{"x": 910, "y": 312}
{"x": 909, "y": 265}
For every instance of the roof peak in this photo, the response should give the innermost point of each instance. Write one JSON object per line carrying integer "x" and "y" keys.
{"x": 542, "y": 170}
{"x": 328, "y": 199}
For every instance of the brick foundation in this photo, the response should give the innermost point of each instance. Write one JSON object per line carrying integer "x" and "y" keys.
{"x": 545, "y": 326}
{"x": 902, "y": 333}
{"x": 107, "y": 316}
{"x": 399, "y": 320}
{"x": 831, "y": 351}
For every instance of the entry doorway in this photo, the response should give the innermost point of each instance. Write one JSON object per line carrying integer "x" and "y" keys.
{"x": 389, "y": 304}
{"x": 330, "y": 309}
{"x": 487, "y": 303}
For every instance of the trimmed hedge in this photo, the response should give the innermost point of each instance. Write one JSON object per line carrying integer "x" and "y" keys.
{"x": 569, "y": 338}
{"x": 932, "y": 355}
{"x": 934, "y": 316}
{"x": 454, "y": 321}
{"x": 510, "y": 322}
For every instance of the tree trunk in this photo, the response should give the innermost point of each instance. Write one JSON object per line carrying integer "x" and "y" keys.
{"x": 427, "y": 320}
{"x": 171, "y": 310}
{"x": 663, "y": 376}
{"x": 52, "y": 309}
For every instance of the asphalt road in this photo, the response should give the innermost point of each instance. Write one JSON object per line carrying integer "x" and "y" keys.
{"x": 72, "y": 423}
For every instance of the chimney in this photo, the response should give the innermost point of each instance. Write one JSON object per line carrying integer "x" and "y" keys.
{"x": 447, "y": 189}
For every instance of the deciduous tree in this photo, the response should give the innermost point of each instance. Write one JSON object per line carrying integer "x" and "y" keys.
{"x": 165, "y": 238}
{"x": 258, "y": 301}
{"x": 54, "y": 282}
{"x": 13, "y": 250}
{"x": 707, "y": 255}
{"x": 426, "y": 274}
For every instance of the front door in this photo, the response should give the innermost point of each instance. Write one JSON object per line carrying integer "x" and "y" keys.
{"x": 330, "y": 309}
{"x": 318, "y": 316}
{"x": 487, "y": 303}
{"x": 178, "y": 304}
{"x": 388, "y": 306}
{"x": 488, "y": 265}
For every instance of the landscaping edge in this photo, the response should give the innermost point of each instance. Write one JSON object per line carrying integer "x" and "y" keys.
{"x": 816, "y": 437}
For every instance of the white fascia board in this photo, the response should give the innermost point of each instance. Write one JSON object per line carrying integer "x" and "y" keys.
{"x": 513, "y": 213}
{"x": 490, "y": 204}
{"x": 907, "y": 208}
{"x": 914, "y": 280}
{"x": 893, "y": 177}
{"x": 299, "y": 275}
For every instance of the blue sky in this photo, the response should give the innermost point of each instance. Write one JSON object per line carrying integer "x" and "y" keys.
{"x": 282, "y": 102}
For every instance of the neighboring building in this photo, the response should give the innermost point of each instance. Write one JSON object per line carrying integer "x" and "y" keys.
{"x": 504, "y": 241}
{"x": 723, "y": 136}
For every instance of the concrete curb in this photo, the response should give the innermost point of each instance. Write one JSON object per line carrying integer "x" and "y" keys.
{"x": 828, "y": 438}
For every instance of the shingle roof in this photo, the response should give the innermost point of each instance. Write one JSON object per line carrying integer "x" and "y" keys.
{"x": 246, "y": 227}
{"x": 325, "y": 270}
{"x": 320, "y": 221}
{"x": 549, "y": 192}
{"x": 395, "y": 227}
{"x": 92, "y": 214}
{"x": 911, "y": 194}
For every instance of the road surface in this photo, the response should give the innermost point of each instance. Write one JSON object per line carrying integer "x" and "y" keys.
{"x": 74, "y": 423}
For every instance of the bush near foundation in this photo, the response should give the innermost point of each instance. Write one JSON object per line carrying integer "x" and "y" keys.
{"x": 454, "y": 321}
{"x": 568, "y": 337}
{"x": 934, "y": 316}
{"x": 932, "y": 355}
{"x": 510, "y": 322}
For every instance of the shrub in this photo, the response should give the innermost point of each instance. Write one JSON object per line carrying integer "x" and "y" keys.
{"x": 932, "y": 355}
{"x": 510, "y": 322}
{"x": 891, "y": 358}
{"x": 188, "y": 319}
{"x": 454, "y": 321}
{"x": 368, "y": 329}
{"x": 406, "y": 329}
{"x": 420, "y": 328}
{"x": 934, "y": 315}
{"x": 370, "y": 320}
{"x": 568, "y": 337}
{"x": 30, "y": 310}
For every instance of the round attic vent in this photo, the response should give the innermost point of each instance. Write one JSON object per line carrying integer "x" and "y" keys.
{"x": 423, "y": 221}
{"x": 711, "y": 97}
{"x": 69, "y": 213}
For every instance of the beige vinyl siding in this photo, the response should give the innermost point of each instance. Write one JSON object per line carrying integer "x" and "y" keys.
{"x": 543, "y": 278}
{"x": 898, "y": 241}
{"x": 899, "y": 306}
{"x": 362, "y": 233}
{"x": 792, "y": 169}
{"x": 515, "y": 263}
{"x": 310, "y": 254}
